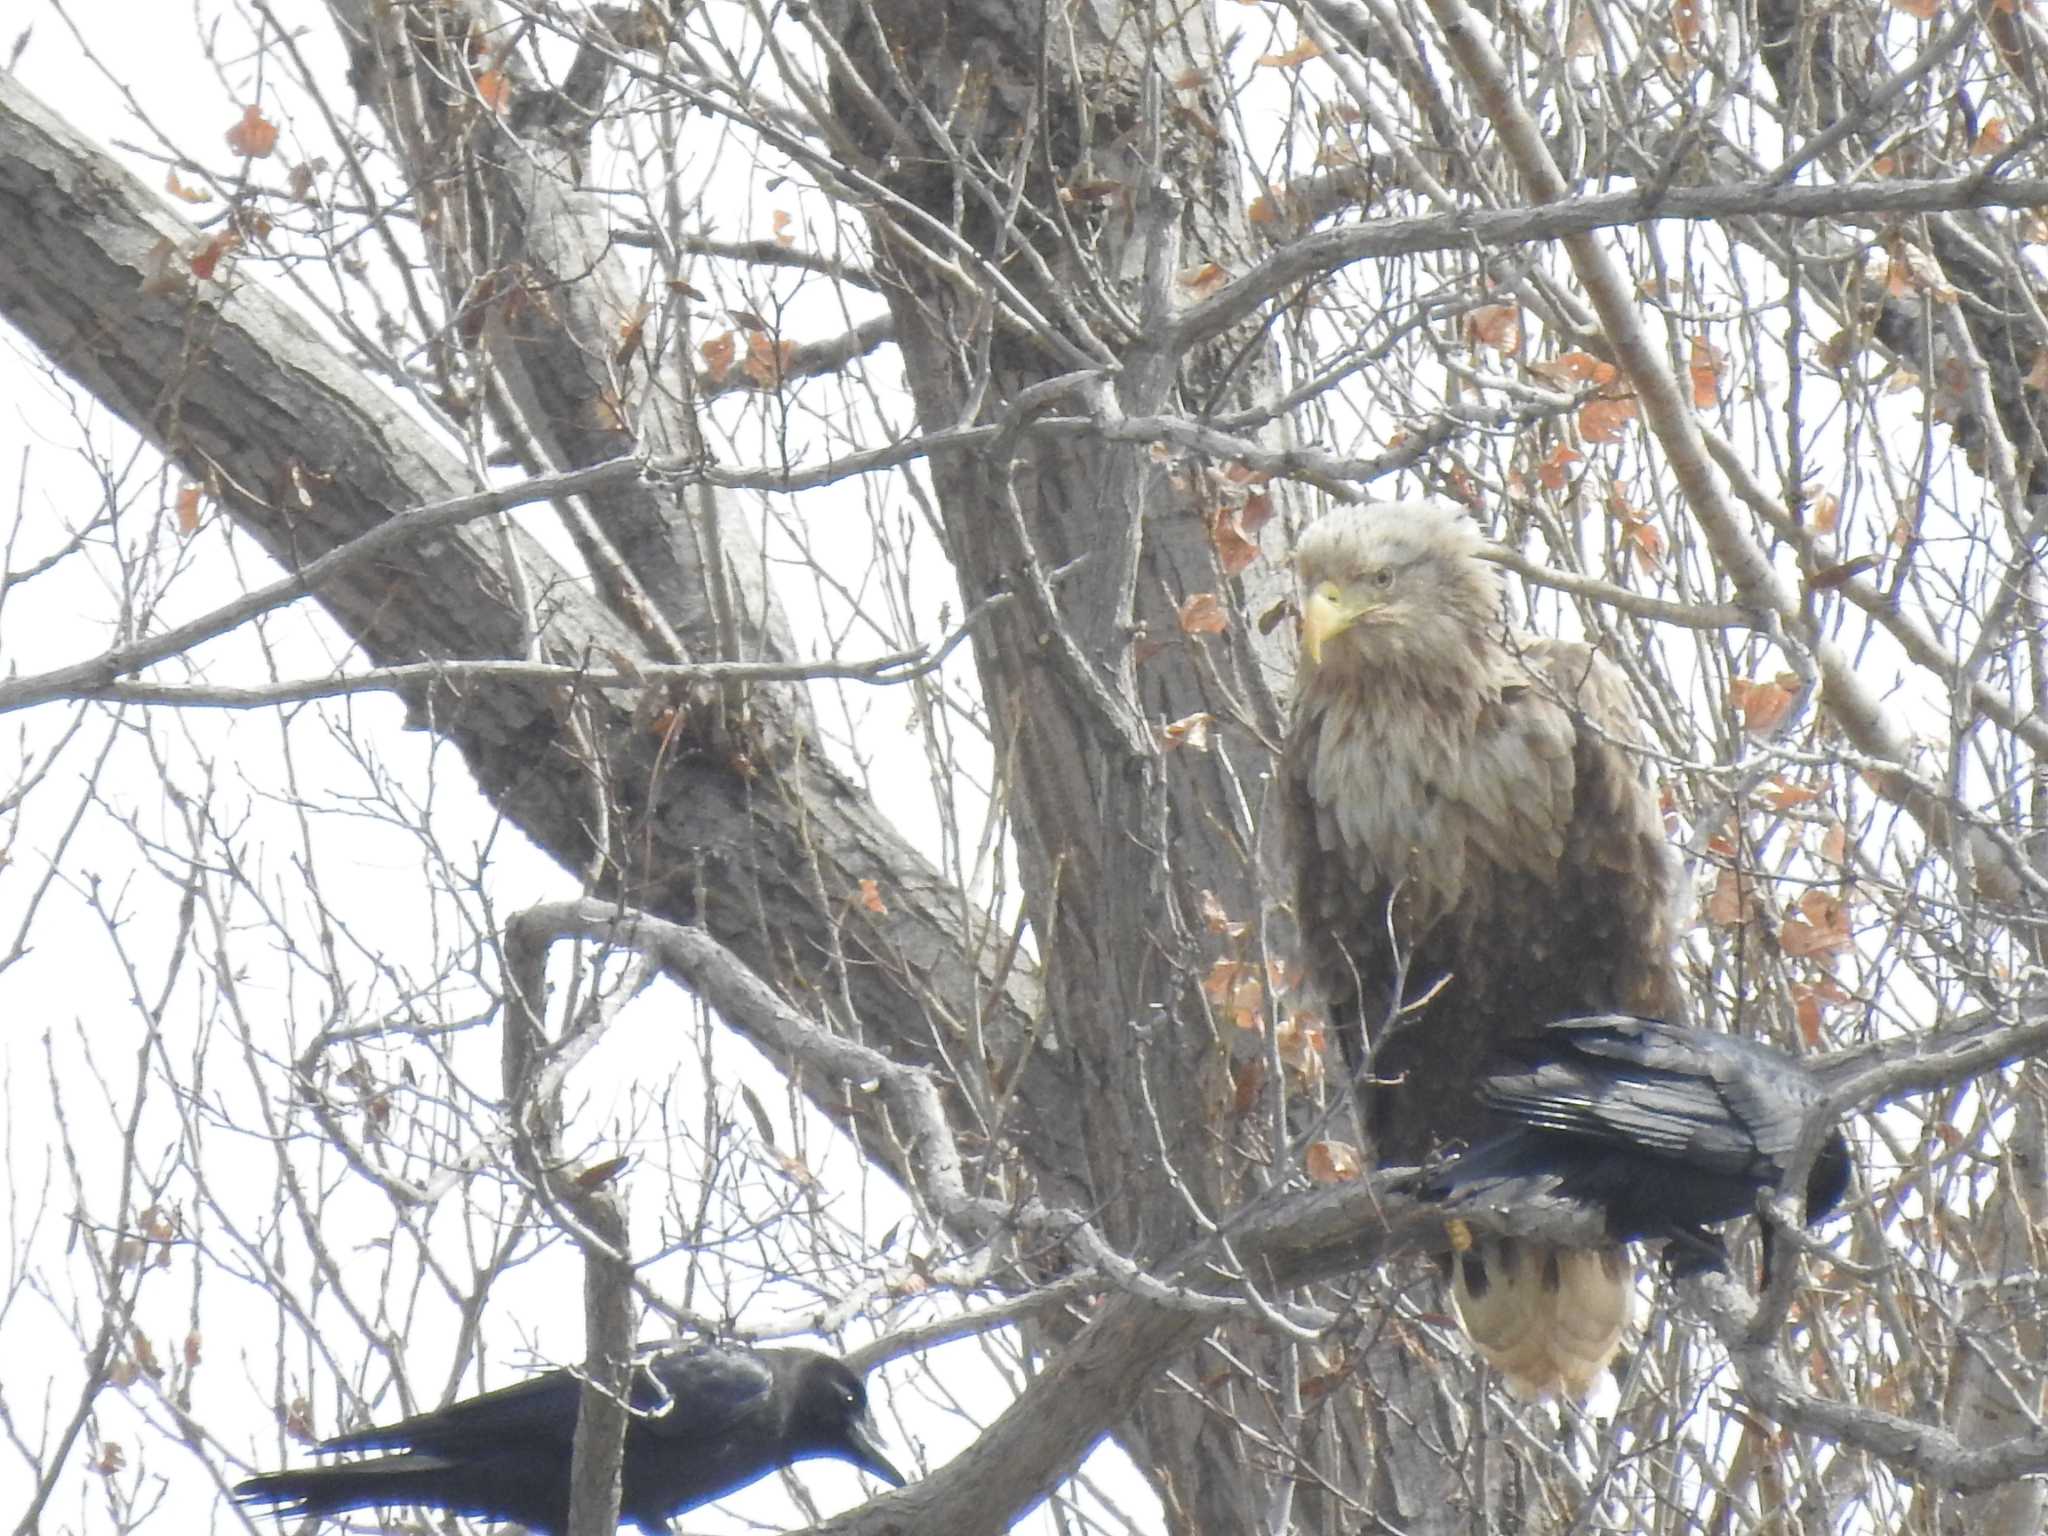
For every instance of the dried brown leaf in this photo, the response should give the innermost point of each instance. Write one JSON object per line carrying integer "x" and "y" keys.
{"x": 1605, "y": 421}
{"x": 718, "y": 354}
{"x": 255, "y": 136}
{"x": 1218, "y": 920}
{"x": 494, "y": 90}
{"x": 183, "y": 193}
{"x": 1552, "y": 474}
{"x": 1191, "y": 731}
{"x": 1304, "y": 50}
{"x": 1498, "y": 326}
{"x": 1571, "y": 368}
{"x": 1332, "y": 1162}
{"x": 1733, "y": 901}
{"x": 1203, "y": 614}
{"x": 1762, "y": 705}
{"x": 1707, "y": 367}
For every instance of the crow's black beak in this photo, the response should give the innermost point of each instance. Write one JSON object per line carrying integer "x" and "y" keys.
{"x": 867, "y": 1451}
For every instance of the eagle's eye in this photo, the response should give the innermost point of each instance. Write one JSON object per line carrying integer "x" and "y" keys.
{"x": 1381, "y": 579}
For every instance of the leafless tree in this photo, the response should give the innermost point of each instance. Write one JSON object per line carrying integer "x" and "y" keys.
{"x": 586, "y": 460}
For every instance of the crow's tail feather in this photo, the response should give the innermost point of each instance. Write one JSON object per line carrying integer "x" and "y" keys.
{"x": 393, "y": 1482}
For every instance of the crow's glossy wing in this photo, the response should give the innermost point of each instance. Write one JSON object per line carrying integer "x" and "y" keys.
{"x": 700, "y": 1394}
{"x": 539, "y": 1412}
{"x": 685, "y": 1394}
{"x": 1725, "y": 1106}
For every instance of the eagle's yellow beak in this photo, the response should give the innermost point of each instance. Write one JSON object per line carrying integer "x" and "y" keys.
{"x": 1325, "y": 616}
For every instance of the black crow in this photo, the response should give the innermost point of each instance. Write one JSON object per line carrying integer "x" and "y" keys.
{"x": 706, "y": 1421}
{"x": 1663, "y": 1129}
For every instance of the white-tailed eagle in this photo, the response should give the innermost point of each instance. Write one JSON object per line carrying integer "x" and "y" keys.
{"x": 1477, "y": 852}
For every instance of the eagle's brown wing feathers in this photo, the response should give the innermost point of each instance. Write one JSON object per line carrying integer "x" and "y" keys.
{"x": 1616, "y": 832}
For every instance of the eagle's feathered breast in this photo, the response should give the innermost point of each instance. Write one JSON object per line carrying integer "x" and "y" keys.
{"x": 1425, "y": 794}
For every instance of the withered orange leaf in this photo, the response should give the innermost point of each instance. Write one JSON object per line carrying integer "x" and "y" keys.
{"x": 1217, "y": 920}
{"x": 1604, "y": 421}
{"x": 1498, "y": 326}
{"x": 1332, "y": 1162}
{"x": 1706, "y": 367}
{"x": 1203, "y": 614}
{"x": 1304, "y": 50}
{"x": 494, "y": 89}
{"x": 255, "y": 136}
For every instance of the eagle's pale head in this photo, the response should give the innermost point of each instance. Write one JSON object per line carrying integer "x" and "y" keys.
{"x": 1393, "y": 582}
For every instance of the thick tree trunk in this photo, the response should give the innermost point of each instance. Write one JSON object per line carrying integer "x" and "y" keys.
{"x": 1105, "y": 126}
